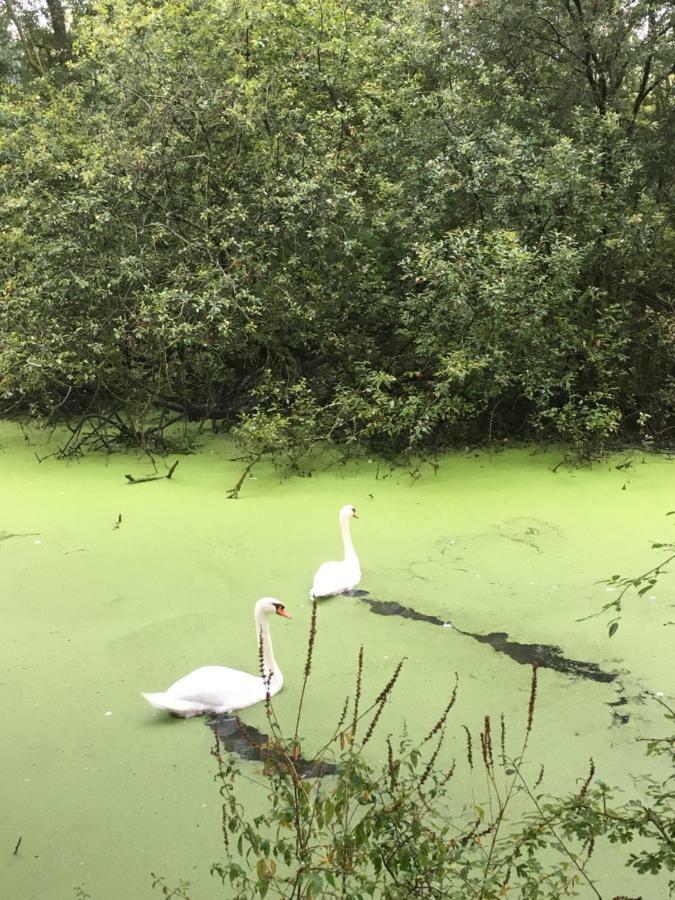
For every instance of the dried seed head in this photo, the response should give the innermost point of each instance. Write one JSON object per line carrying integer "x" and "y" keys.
{"x": 374, "y": 721}
{"x": 261, "y": 655}
{"x": 589, "y": 847}
{"x": 586, "y": 784}
{"x": 448, "y": 774}
{"x": 432, "y": 760}
{"x": 390, "y": 759}
{"x": 539, "y": 779}
{"x": 486, "y": 744}
{"x": 444, "y": 715}
{"x": 384, "y": 693}
{"x": 343, "y": 714}
{"x": 381, "y": 701}
{"x": 469, "y": 754}
{"x": 357, "y": 692}
{"x": 533, "y": 700}
{"x": 310, "y": 644}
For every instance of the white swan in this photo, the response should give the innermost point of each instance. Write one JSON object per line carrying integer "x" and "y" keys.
{"x": 338, "y": 577}
{"x": 217, "y": 689}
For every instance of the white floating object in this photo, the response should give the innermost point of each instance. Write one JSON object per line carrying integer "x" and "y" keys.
{"x": 447, "y": 624}
{"x": 659, "y": 694}
{"x": 108, "y": 713}
{"x": 610, "y": 589}
{"x": 37, "y": 542}
{"x": 652, "y": 597}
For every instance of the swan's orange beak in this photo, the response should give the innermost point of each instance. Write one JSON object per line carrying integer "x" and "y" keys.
{"x": 282, "y": 612}
{"x": 354, "y": 514}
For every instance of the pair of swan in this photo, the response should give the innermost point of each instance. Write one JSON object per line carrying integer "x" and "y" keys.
{"x": 219, "y": 689}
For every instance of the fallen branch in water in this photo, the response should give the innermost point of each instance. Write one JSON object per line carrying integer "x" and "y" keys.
{"x": 233, "y": 492}
{"x": 131, "y": 480}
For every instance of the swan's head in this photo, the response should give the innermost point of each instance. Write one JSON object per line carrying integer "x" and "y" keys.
{"x": 271, "y": 606}
{"x": 348, "y": 512}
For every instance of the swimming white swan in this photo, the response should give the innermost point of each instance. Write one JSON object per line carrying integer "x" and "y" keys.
{"x": 217, "y": 689}
{"x": 338, "y": 577}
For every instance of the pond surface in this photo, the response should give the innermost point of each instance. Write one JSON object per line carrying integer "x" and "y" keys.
{"x": 108, "y": 588}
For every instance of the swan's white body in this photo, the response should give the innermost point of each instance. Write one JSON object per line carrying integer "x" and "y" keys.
{"x": 339, "y": 576}
{"x": 218, "y": 689}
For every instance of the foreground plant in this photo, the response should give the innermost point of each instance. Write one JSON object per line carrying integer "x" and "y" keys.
{"x": 393, "y": 829}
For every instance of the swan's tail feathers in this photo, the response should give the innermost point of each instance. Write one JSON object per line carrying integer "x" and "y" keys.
{"x": 184, "y": 708}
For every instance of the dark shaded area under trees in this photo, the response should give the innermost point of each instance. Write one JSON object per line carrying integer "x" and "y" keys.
{"x": 390, "y": 225}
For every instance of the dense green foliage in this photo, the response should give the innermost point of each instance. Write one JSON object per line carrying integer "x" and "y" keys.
{"x": 391, "y": 224}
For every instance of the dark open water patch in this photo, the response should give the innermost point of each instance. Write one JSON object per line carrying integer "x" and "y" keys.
{"x": 249, "y": 743}
{"x": 548, "y": 656}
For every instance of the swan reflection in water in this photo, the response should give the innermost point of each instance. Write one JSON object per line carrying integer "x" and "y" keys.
{"x": 249, "y": 743}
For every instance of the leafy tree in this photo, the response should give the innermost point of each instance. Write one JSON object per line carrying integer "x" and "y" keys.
{"x": 436, "y": 221}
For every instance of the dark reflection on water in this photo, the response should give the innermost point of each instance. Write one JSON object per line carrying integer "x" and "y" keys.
{"x": 622, "y": 718}
{"x": 391, "y": 608}
{"x": 249, "y": 743}
{"x": 547, "y": 656}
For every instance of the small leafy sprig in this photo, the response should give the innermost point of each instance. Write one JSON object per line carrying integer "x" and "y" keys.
{"x": 642, "y": 584}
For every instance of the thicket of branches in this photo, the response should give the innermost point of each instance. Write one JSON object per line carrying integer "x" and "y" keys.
{"x": 390, "y": 224}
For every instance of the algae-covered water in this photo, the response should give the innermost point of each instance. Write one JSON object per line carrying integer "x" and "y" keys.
{"x": 109, "y": 588}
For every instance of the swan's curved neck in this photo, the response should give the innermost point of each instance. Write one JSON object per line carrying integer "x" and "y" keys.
{"x": 350, "y": 552}
{"x": 269, "y": 664}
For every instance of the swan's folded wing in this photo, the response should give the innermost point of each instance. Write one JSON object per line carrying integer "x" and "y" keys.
{"x": 173, "y": 704}
{"x": 335, "y": 578}
{"x": 219, "y": 688}
{"x": 327, "y": 576}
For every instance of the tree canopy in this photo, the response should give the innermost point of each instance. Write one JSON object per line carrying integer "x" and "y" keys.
{"x": 394, "y": 224}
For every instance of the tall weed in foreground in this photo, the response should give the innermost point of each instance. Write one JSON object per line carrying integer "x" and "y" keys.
{"x": 394, "y": 829}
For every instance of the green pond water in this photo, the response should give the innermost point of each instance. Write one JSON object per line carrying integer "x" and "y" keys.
{"x": 103, "y": 790}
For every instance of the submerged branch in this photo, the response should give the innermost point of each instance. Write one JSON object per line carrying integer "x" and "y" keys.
{"x": 132, "y": 480}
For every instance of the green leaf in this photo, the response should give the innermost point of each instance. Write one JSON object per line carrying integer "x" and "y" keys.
{"x": 613, "y": 628}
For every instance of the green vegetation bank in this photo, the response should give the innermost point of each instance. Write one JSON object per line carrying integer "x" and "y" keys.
{"x": 391, "y": 225}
